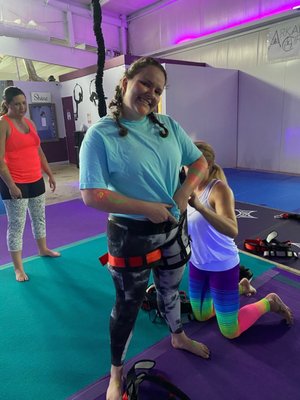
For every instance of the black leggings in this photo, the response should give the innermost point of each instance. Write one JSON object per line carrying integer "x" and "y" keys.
{"x": 130, "y": 238}
{"x": 130, "y": 290}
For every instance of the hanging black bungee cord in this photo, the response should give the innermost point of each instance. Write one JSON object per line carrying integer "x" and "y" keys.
{"x": 97, "y": 19}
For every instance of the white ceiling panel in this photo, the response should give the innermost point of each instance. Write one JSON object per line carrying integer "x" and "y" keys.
{"x": 14, "y": 67}
{"x": 125, "y": 7}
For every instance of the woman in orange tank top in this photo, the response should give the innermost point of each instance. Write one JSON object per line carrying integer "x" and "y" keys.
{"x": 22, "y": 186}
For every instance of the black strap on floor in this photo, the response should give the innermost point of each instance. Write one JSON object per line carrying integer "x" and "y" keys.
{"x": 139, "y": 373}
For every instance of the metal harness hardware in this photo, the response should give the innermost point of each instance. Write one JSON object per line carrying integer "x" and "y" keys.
{"x": 139, "y": 373}
{"x": 150, "y": 305}
{"x": 288, "y": 216}
{"x": 270, "y": 247}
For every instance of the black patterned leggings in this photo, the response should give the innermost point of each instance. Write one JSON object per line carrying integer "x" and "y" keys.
{"x": 130, "y": 290}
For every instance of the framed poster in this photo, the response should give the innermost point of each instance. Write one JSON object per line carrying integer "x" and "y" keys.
{"x": 44, "y": 117}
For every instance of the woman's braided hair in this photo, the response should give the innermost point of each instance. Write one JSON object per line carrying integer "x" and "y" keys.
{"x": 116, "y": 103}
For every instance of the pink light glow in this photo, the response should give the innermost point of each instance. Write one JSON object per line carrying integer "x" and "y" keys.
{"x": 245, "y": 21}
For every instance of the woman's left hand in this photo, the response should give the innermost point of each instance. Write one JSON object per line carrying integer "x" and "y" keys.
{"x": 52, "y": 183}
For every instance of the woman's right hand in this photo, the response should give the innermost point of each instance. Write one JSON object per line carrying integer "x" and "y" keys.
{"x": 195, "y": 203}
{"x": 159, "y": 212}
{"x": 193, "y": 200}
{"x": 15, "y": 192}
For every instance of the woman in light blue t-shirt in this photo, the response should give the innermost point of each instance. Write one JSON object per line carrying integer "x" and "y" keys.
{"x": 129, "y": 166}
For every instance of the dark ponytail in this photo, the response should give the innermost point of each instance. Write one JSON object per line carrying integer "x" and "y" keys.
{"x": 3, "y": 109}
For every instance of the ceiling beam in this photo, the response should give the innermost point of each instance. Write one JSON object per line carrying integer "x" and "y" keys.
{"x": 47, "y": 52}
{"x": 83, "y": 11}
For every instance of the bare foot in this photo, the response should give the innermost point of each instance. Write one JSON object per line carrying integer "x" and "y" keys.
{"x": 114, "y": 390}
{"x": 247, "y": 288}
{"x": 49, "y": 253}
{"x": 181, "y": 341}
{"x": 278, "y": 306}
{"x": 21, "y": 276}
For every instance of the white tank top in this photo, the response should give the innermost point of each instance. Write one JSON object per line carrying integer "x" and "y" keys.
{"x": 211, "y": 250}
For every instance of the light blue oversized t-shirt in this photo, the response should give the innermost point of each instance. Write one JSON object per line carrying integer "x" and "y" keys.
{"x": 141, "y": 165}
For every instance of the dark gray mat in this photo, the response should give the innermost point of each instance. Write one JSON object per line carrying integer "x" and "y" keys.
{"x": 257, "y": 222}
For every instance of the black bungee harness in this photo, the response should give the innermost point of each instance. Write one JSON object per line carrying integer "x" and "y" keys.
{"x": 139, "y": 373}
{"x": 270, "y": 247}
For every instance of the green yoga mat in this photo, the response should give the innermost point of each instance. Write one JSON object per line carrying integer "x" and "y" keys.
{"x": 54, "y": 329}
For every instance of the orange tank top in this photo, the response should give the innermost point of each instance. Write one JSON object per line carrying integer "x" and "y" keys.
{"x": 21, "y": 153}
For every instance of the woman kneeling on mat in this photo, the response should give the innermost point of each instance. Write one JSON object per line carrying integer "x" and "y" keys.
{"x": 214, "y": 285}
{"x": 129, "y": 166}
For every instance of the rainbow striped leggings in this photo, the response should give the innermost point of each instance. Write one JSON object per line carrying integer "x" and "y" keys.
{"x": 217, "y": 294}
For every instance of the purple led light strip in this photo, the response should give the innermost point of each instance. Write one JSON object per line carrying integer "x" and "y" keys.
{"x": 245, "y": 21}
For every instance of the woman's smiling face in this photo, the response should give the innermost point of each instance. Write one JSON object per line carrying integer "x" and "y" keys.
{"x": 141, "y": 94}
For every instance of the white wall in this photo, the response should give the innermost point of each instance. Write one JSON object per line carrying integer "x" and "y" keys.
{"x": 161, "y": 27}
{"x": 87, "y": 111}
{"x": 204, "y": 101}
{"x": 269, "y": 92}
{"x": 194, "y": 96}
{"x": 269, "y": 118}
{"x": 251, "y": 119}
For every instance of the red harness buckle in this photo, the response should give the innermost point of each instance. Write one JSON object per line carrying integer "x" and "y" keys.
{"x": 270, "y": 247}
{"x": 132, "y": 262}
{"x": 255, "y": 245}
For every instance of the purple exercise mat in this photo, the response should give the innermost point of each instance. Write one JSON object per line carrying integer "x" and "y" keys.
{"x": 261, "y": 364}
{"x": 67, "y": 222}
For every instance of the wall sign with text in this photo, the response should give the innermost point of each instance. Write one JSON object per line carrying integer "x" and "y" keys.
{"x": 284, "y": 41}
{"x": 40, "y": 97}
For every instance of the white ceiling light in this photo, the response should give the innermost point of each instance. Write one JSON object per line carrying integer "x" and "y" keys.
{"x": 32, "y": 23}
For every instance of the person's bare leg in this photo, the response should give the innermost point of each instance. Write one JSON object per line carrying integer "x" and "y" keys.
{"x": 114, "y": 390}
{"x": 246, "y": 288}
{"x": 43, "y": 249}
{"x": 279, "y": 307}
{"x": 16, "y": 256}
{"x": 181, "y": 341}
